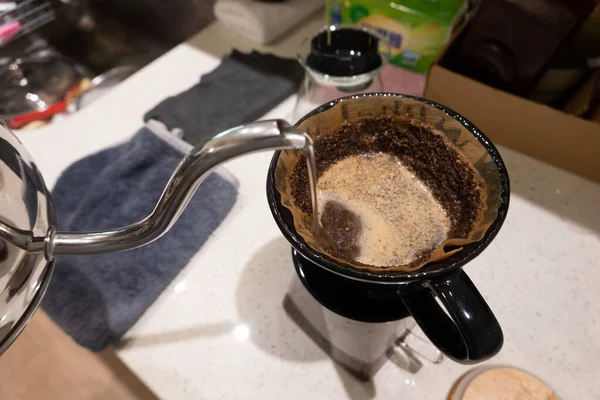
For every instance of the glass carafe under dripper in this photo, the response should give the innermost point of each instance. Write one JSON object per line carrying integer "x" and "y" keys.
{"x": 339, "y": 60}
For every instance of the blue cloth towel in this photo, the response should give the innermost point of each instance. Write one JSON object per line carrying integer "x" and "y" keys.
{"x": 96, "y": 299}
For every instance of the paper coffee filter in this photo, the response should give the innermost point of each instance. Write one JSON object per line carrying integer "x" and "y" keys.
{"x": 322, "y": 124}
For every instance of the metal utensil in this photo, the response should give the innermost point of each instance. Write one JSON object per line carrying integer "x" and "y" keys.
{"x": 103, "y": 83}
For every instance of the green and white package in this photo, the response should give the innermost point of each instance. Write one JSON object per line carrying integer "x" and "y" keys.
{"x": 416, "y": 30}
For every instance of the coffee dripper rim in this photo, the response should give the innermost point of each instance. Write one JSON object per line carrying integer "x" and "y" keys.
{"x": 430, "y": 270}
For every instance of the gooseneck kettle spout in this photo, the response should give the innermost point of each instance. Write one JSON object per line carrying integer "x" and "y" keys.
{"x": 193, "y": 169}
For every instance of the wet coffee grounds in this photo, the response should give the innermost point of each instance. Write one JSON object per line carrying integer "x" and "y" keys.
{"x": 454, "y": 183}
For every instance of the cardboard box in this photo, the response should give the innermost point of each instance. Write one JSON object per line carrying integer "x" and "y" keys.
{"x": 531, "y": 128}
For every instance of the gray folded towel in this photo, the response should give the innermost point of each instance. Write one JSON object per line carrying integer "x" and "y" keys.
{"x": 96, "y": 299}
{"x": 242, "y": 89}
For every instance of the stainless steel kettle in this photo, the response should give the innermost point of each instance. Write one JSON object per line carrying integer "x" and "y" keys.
{"x": 30, "y": 240}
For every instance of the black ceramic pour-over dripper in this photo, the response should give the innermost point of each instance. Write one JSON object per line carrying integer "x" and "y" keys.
{"x": 440, "y": 296}
{"x": 359, "y": 301}
{"x": 344, "y": 51}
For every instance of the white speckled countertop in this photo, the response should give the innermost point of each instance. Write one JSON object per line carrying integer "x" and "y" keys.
{"x": 219, "y": 330}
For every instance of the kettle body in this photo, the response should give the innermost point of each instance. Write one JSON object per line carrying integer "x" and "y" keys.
{"x": 26, "y": 207}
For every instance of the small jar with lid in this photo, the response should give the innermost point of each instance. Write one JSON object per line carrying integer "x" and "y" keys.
{"x": 339, "y": 60}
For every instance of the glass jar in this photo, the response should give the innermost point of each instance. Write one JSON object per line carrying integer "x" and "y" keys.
{"x": 339, "y": 60}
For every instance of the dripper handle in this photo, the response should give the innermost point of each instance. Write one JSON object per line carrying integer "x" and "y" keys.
{"x": 466, "y": 331}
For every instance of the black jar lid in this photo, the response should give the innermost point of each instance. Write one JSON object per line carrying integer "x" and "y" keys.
{"x": 344, "y": 51}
